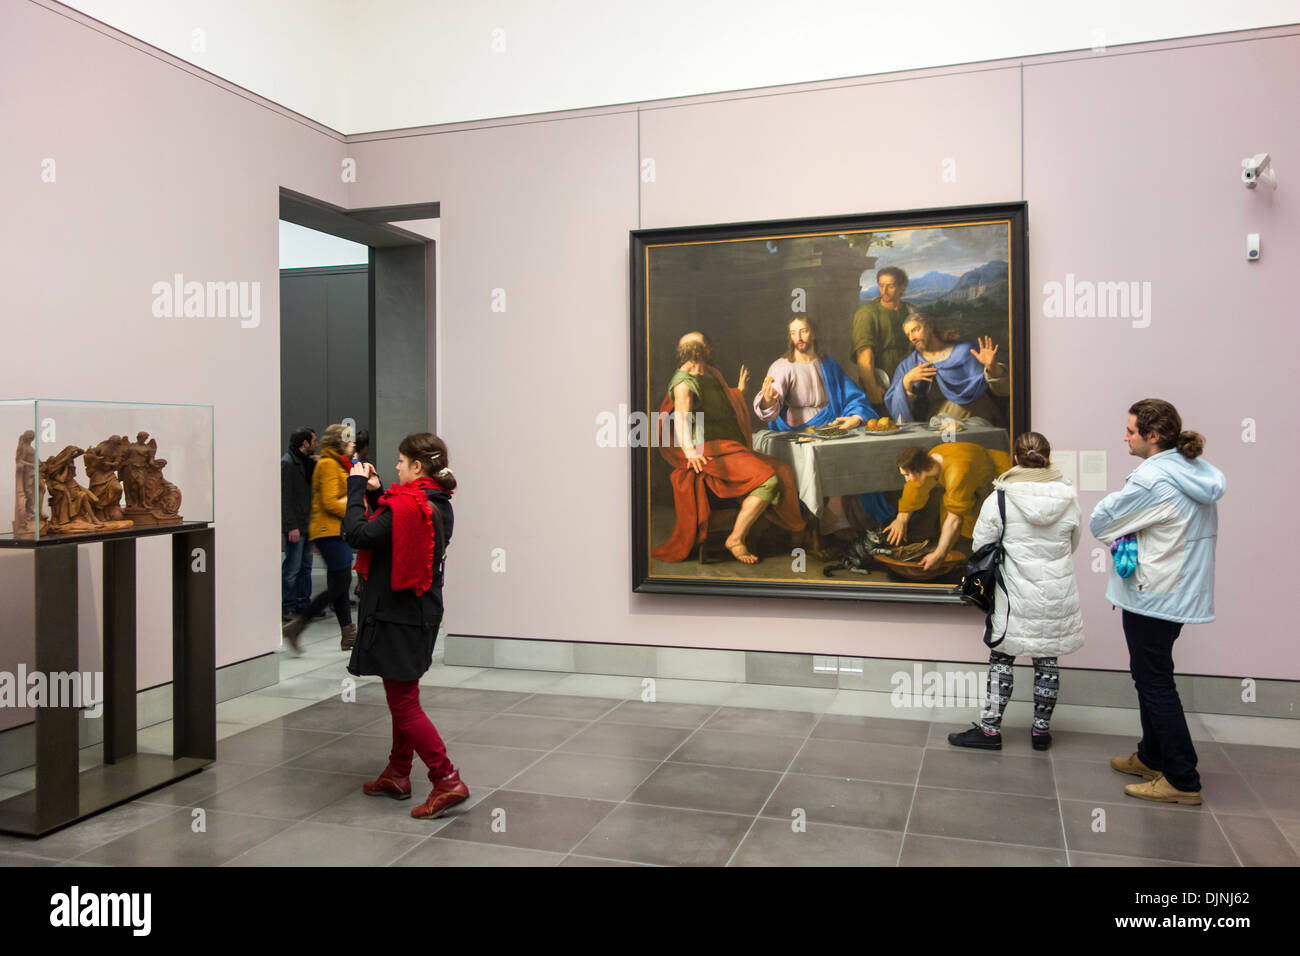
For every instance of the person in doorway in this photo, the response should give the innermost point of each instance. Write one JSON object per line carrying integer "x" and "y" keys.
{"x": 296, "y": 468}
{"x": 402, "y": 551}
{"x": 361, "y": 453}
{"x": 1038, "y": 615}
{"x": 1169, "y": 507}
{"x": 328, "y": 504}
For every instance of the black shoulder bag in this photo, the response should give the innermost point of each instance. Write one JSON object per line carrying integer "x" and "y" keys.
{"x": 984, "y": 575}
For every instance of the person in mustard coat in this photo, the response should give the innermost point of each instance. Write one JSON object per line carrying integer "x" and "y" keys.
{"x": 329, "y": 497}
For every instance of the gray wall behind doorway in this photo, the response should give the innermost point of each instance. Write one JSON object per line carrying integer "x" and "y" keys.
{"x": 325, "y": 364}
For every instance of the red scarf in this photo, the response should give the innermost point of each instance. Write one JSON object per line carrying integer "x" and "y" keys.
{"x": 412, "y": 536}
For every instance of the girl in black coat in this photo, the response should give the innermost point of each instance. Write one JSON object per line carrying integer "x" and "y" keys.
{"x": 402, "y": 550}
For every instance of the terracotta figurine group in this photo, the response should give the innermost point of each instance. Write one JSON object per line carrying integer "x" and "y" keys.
{"x": 115, "y": 467}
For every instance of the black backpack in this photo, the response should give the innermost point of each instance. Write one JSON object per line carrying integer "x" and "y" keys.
{"x": 984, "y": 575}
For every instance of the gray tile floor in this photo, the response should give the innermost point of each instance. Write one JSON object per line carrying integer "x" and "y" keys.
{"x": 576, "y": 770}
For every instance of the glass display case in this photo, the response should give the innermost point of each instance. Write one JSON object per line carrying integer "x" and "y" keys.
{"x": 100, "y": 468}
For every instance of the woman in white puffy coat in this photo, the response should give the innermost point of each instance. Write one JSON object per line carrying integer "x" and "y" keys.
{"x": 1042, "y": 619}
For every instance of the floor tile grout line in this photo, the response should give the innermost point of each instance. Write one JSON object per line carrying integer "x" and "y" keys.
{"x": 544, "y": 754}
{"x": 1031, "y": 846}
{"x": 623, "y": 802}
{"x": 125, "y": 833}
{"x": 1294, "y": 843}
{"x": 730, "y": 813}
{"x": 790, "y": 763}
{"x": 1060, "y": 809}
{"x": 1226, "y": 839}
{"x": 174, "y": 807}
{"x": 1150, "y": 807}
{"x": 556, "y": 749}
{"x": 425, "y": 841}
{"x": 916, "y": 789}
{"x": 609, "y": 859}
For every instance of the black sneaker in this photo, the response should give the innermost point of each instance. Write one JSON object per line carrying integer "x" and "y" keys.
{"x": 1041, "y": 741}
{"x": 976, "y": 738}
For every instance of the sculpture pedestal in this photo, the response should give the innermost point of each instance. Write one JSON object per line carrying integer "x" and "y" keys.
{"x": 62, "y": 795}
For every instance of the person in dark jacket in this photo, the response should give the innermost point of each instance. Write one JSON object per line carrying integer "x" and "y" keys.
{"x": 329, "y": 480}
{"x": 402, "y": 549}
{"x": 295, "y": 514}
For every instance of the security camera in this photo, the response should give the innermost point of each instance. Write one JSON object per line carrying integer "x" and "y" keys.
{"x": 1256, "y": 169}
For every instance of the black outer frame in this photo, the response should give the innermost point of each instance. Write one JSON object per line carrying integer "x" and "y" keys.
{"x": 639, "y": 239}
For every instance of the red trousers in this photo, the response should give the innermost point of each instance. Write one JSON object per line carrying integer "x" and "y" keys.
{"x": 413, "y": 732}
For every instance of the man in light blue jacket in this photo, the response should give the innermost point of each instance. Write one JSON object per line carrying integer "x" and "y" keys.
{"x": 1167, "y": 505}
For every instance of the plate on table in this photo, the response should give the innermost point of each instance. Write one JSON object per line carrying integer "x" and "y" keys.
{"x": 893, "y": 429}
{"x": 825, "y": 433}
{"x": 912, "y": 569}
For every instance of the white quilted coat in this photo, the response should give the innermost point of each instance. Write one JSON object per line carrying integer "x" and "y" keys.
{"x": 1042, "y": 534}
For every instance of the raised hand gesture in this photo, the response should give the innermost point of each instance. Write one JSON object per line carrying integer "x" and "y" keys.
{"x": 987, "y": 353}
{"x": 743, "y": 382}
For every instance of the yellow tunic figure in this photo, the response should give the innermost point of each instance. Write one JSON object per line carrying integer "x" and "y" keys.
{"x": 966, "y": 474}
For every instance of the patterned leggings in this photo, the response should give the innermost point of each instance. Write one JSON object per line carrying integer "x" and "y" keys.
{"x": 1047, "y": 679}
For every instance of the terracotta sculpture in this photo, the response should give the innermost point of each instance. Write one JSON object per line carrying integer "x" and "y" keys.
{"x": 72, "y": 507}
{"x": 102, "y": 462}
{"x": 25, "y": 485}
{"x": 150, "y": 498}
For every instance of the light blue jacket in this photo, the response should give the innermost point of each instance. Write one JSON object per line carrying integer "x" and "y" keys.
{"x": 1168, "y": 502}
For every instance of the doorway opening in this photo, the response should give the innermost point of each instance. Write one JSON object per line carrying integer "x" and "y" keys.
{"x": 357, "y": 302}
{"x": 356, "y": 338}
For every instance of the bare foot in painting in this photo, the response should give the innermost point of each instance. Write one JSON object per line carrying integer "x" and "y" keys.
{"x": 738, "y": 551}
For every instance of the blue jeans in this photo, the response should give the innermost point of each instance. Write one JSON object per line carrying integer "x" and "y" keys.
{"x": 295, "y": 574}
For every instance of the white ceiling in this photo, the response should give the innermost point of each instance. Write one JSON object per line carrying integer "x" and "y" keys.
{"x": 366, "y": 65}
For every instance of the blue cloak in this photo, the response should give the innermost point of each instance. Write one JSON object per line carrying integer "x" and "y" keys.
{"x": 960, "y": 377}
{"x": 843, "y": 398}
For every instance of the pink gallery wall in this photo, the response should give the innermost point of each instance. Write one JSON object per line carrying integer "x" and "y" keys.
{"x": 1129, "y": 163}
{"x": 158, "y": 170}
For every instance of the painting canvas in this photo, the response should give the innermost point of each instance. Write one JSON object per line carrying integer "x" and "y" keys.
{"x": 819, "y": 406}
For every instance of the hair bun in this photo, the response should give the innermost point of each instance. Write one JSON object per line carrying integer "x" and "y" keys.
{"x": 1191, "y": 444}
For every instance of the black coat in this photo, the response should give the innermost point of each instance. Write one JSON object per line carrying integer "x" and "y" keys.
{"x": 396, "y": 629}
{"x": 295, "y": 491}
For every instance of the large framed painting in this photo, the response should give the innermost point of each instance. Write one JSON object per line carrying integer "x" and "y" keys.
{"x": 819, "y": 406}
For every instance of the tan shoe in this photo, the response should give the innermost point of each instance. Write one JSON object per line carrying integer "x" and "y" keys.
{"x": 1161, "y": 790}
{"x": 1134, "y": 766}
